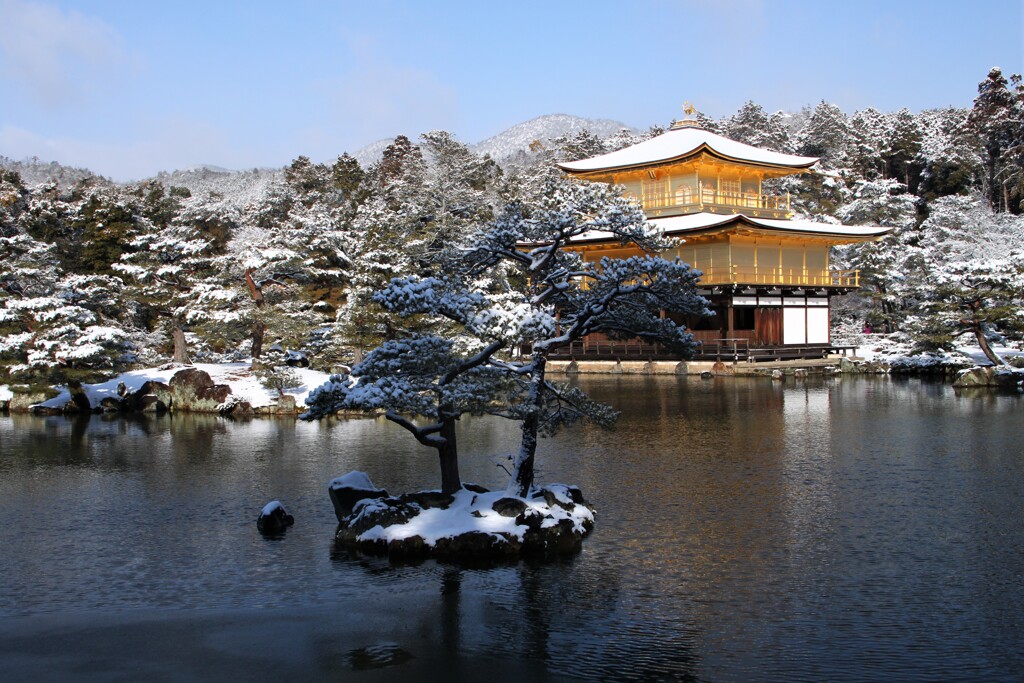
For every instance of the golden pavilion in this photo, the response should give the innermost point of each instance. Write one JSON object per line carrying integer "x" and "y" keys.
{"x": 767, "y": 275}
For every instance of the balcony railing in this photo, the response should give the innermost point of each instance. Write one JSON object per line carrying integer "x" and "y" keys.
{"x": 755, "y": 275}
{"x": 710, "y": 199}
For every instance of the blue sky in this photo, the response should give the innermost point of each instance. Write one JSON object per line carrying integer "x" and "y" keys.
{"x": 131, "y": 88}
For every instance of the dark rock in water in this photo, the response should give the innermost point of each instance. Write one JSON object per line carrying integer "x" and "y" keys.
{"x": 137, "y": 401}
{"x": 509, "y": 507}
{"x": 151, "y": 404}
{"x": 475, "y": 488}
{"x": 1009, "y": 380}
{"x": 110, "y": 405}
{"x": 706, "y": 374}
{"x": 274, "y": 519}
{"x": 242, "y": 409}
{"x": 79, "y": 402}
{"x": 348, "y": 490}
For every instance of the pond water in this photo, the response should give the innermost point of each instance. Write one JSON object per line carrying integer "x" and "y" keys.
{"x": 847, "y": 529}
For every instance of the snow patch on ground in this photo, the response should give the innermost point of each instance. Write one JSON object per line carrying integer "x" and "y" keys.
{"x": 5, "y": 393}
{"x": 245, "y": 386}
{"x": 883, "y": 348}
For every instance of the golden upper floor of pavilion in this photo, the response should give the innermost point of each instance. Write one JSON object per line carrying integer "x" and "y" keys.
{"x": 689, "y": 170}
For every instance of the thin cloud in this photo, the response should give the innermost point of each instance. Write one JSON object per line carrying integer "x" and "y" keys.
{"x": 56, "y": 56}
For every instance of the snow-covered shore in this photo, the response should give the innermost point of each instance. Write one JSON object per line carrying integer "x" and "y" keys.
{"x": 245, "y": 386}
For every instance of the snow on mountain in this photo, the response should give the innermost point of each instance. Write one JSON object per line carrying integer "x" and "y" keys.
{"x": 36, "y": 172}
{"x": 517, "y": 139}
{"x": 543, "y": 129}
{"x": 371, "y": 153}
{"x": 240, "y": 188}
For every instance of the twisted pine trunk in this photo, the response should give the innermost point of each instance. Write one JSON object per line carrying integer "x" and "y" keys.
{"x": 448, "y": 455}
{"x": 522, "y": 471}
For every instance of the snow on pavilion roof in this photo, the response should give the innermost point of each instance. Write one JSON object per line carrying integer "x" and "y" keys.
{"x": 682, "y": 142}
{"x": 674, "y": 226}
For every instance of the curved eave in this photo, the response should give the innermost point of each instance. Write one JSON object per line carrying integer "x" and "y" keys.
{"x": 708, "y": 224}
{"x": 704, "y": 148}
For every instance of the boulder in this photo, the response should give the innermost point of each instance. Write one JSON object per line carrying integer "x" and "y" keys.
{"x": 427, "y": 499}
{"x": 847, "y": 365}
{"x": 22, "y": 401}
{"x": 296, "y": 359}
{"x": 349, "y": 489}
{"x": 509, "y": 507}
{"x": 111, "y": 405}
{"x": 274, "y": 519}
{"x": 191, "y": 377}
{"x": 384, "y": 512}
{"x": 975, "y": 377}
{"x": 1012, "y": 380}
{"x": 193, "y": 390}
{"x": 151, "y": 404}
{"x": 286, "y": 404}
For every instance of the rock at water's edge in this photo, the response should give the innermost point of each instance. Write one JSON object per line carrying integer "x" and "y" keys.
{"x": 273, "y": 519}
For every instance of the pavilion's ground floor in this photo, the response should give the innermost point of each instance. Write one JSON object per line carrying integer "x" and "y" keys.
{"x": 751, "y": 325}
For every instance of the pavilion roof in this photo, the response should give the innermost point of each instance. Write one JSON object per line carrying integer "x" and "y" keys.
{"x": 680, "y": 143}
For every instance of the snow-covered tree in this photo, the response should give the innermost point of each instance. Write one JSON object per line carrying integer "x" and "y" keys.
{"x": 976, "y": 298}
{"x": 998, "y": 120}
{"x": 754, "y": 126}
{"x": 826, "y": 134}
{"x": 425, "y": 375}
{"x": 171, "y": 270}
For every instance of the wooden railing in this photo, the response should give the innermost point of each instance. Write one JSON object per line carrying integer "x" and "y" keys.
{"x": 711, "y": 198}
{"x": 759, "y": 275}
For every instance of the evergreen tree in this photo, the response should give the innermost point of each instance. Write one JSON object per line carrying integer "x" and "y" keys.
{"x": 826, "y": 134}
{"x": 997, "y": 118}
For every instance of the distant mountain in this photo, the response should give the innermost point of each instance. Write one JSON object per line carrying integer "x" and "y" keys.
{"x": 516, "y": 140}
{"x": 543, "y": 129}
{"x": 372, "y": 153}
{"x": 36, "y": 172}
{"x": 239, "y": 188}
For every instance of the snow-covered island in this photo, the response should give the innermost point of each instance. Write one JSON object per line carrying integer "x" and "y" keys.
{"x": 470, "y": 524}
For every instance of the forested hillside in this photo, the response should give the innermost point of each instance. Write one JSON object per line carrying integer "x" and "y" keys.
{"x": 211, "y": 265}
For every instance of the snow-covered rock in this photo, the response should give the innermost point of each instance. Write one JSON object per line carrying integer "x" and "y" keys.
{"x": 348, "y": 490}
{"x": 274, "y": 519}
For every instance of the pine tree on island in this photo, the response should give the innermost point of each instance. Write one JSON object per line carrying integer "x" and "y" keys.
{"x": 477, "y": 368}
